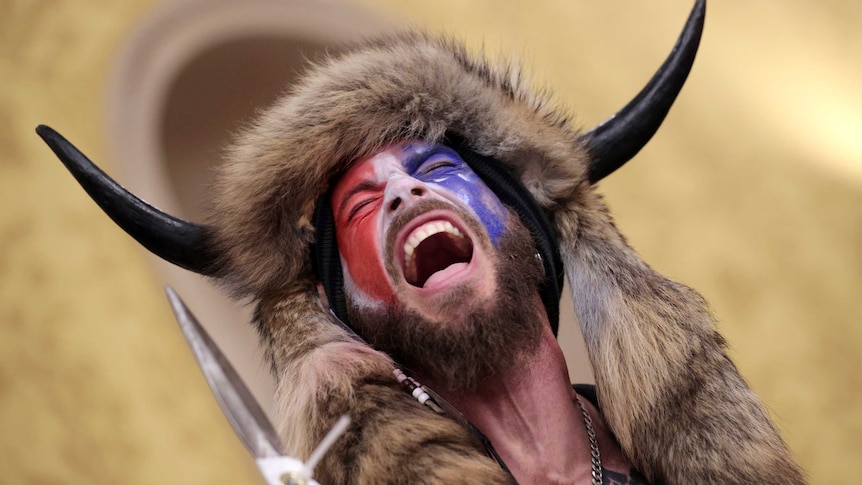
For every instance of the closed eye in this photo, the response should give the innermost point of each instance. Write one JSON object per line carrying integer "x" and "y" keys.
{"x": 437, "y": 165}
{"x": 366, "y": 187}
{"x": 359, "y": 206}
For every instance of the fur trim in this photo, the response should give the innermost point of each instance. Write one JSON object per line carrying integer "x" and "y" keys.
{"x": 675, "y": 401}
{"x": 323, "y": 373}
{"x": 408, "y": 86}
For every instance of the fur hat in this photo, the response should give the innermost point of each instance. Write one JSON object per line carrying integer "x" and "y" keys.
{"x": 405, "y": 87}
{"x": 410, "y": 86}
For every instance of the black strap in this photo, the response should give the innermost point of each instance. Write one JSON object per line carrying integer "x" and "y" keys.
{"x": 513, "y": 194}
{"x": 326, "y": 258}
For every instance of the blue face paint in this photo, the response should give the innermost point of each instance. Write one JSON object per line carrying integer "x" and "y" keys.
{"x": 442, "y": 166}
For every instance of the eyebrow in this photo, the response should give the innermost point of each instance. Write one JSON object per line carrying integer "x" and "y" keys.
{"x": 364, "y": 186}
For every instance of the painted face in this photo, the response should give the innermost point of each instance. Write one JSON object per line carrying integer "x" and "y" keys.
{"x": 372, "y": 195}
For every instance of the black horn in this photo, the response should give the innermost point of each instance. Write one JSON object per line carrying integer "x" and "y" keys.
{"x": 616, "y": 140}
{"x": 180, "y": 242}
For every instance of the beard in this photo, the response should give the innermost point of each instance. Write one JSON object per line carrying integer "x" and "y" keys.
{"x": 479, "y": 341}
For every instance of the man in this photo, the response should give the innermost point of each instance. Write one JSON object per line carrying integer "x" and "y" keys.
{"x": 435, "y": 198}
{"x": 443, "y": 278}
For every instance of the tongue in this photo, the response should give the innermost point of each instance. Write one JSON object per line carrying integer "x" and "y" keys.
{"x": 441, "y": 276}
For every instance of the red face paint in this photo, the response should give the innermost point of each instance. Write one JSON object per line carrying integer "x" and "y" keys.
{"x": 357, "y": 228}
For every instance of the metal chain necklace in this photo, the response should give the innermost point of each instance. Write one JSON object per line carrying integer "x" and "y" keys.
{"x": 428, "y": 398}
{"x": 595, "y": 456}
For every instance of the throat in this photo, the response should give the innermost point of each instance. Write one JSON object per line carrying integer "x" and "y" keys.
{"x": 532, "y": 417}
{"x": 427, "y": 255}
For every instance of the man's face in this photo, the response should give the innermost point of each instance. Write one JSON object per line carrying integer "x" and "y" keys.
{"x": 436, "y": 271}
{"x": 413, "y": 223}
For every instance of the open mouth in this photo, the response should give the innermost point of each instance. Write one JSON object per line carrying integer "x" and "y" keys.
{"x": 434, "y": 247}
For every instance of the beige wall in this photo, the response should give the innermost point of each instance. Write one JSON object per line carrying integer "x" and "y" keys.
{"x": 751, "y": 193}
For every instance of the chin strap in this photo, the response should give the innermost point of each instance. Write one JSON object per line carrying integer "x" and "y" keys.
{"x": 326, "y": 259}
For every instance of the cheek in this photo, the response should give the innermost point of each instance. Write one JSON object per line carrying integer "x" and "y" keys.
{"x": 361, "y": 249}
{"x": 491, "y": 212}
{"x": 487, "y": 207}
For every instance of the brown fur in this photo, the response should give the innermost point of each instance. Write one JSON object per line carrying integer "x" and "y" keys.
{"x": 396, "y": 88}
{"x": 323, "y": 373}
{"x": 668, "y": 391}
{"x": 673, "y": 398}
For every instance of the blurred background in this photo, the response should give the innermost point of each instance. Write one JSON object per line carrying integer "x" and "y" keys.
{"x": 751, "y": 193}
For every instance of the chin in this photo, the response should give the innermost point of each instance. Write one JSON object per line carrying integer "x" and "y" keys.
{"x": 448, "y": 306}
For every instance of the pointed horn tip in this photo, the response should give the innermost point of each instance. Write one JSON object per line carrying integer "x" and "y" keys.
{"x": 697, "y": 16}
{"x": 47, "y": 133}
{"x": 55, "y": 141}
{"x": 699, "y": 10}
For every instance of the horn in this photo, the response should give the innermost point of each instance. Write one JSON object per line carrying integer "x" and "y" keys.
{"x": 619, "y": 138}
{"x": 180, "y": 242}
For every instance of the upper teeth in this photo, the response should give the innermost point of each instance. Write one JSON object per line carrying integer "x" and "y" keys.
{"x": 424, "y": 232}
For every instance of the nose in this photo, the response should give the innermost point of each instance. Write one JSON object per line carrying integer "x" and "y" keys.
{"x": 401, "y": 192}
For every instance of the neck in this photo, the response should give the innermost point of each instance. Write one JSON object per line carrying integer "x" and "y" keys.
{"x": 530, "y": 416}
